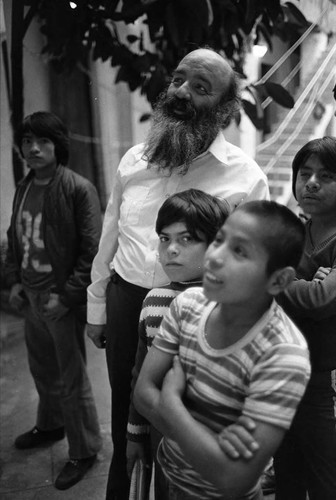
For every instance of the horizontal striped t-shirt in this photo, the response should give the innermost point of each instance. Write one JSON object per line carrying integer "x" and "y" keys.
{"x": 262, "y": 376}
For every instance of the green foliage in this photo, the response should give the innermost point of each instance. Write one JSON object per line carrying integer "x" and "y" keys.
{"x": 168, "y": 30}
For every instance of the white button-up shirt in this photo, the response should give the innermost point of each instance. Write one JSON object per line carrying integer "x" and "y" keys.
{"x": 129, "y": 242}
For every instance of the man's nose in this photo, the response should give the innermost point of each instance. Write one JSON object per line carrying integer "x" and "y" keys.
{"x": 183, "y": 91}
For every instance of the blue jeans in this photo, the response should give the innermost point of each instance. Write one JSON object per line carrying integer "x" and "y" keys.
{"x": 57, "y": 364}
{"x": 306, "y": 459}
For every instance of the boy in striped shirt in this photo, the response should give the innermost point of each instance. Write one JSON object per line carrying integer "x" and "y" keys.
{"x": 228, "y": 351}
{"x": 186, "y": 224}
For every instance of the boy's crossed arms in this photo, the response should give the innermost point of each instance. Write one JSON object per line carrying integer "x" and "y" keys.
{"x": 230, "y": 460}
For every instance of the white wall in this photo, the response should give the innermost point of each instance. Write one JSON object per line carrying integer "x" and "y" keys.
{"x": 36, "y": 97}
{"x": 111, "y": 111}
{"x": 6, "y": 171}
{"x": 311, "y": 49}
{"x": 249, "y": 135}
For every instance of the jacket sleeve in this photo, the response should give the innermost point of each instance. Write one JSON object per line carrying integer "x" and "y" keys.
{"x": 88, "y": 225}
{"x": 12, "y": 273}
{"x": 101, "y": 271}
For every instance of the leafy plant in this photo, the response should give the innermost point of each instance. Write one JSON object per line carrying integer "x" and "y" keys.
{"x": 168, "y": 29}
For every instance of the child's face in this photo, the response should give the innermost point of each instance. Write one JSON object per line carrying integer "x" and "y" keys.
{"x": 181, "y": 256}
{"x": 316, "y": 188}
{"x": 39, "y": 152}
{"x": 235, "y": 263}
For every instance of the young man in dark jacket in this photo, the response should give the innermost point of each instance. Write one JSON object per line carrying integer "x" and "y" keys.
{"x": 52, "y": 239}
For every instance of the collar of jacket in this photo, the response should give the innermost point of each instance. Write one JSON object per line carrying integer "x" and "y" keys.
{"x": 29, "y": 177}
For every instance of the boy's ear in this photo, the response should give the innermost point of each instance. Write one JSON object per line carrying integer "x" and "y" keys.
{"x": 280, "y": 279}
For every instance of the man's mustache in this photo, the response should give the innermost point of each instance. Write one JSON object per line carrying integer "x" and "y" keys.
{"x": 179, "y": 108}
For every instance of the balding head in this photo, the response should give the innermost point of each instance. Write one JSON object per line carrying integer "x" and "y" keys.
{"x": 213, "y": 65}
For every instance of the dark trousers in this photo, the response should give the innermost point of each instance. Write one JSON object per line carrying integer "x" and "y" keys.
{"x": 123, "y": 303}
{"x": 306, "y": 459}
{"x": 57, "y": 364}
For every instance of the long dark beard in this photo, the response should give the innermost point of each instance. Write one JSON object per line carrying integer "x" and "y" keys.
{"x": 172, "y": 142}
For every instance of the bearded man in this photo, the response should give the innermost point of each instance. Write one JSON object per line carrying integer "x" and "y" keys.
{"x": 185, "y": 149}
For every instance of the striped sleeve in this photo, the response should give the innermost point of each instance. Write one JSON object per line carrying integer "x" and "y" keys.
{"x": 277, "y": 385}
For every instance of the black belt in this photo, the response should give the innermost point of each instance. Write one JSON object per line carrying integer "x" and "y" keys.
{"x": 118, "y": 280}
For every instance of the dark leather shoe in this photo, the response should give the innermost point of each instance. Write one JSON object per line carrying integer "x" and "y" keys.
{"x": 73, "y": 471}
{"x": 35, "y": 437}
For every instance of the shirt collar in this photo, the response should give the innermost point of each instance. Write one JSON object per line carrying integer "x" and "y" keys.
{"x": 217, "y": 148}
{"x": 183, "y": 285}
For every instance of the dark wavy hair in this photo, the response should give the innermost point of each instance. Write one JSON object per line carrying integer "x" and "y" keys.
{"x": 202, "y": 213}
{"x": 324, "y": 148}
{"x": 45, "y": 124}
{"x": 283, "y": 233}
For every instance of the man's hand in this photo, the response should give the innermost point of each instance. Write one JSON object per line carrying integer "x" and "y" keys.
{"x": 321, "y": 273}
{"x": 237, "y": 440}
{"x": 97, "y": 334}
{"x": 135, "y": 451}
{"x": 54, "y": 309}
{"x": 17, "y": 297}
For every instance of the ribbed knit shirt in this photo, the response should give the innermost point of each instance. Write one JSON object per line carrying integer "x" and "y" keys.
{"x": 154, "y": 308}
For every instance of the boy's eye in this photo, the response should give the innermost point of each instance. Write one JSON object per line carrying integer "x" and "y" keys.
{"x": 25, "y": 141}
{"x": 240, "y": 251}
{"x": 163, "y": 239}
{"x": 187, "y": 238}
{"x": 44, "y": 140}
{"x": 328, "y": 176}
